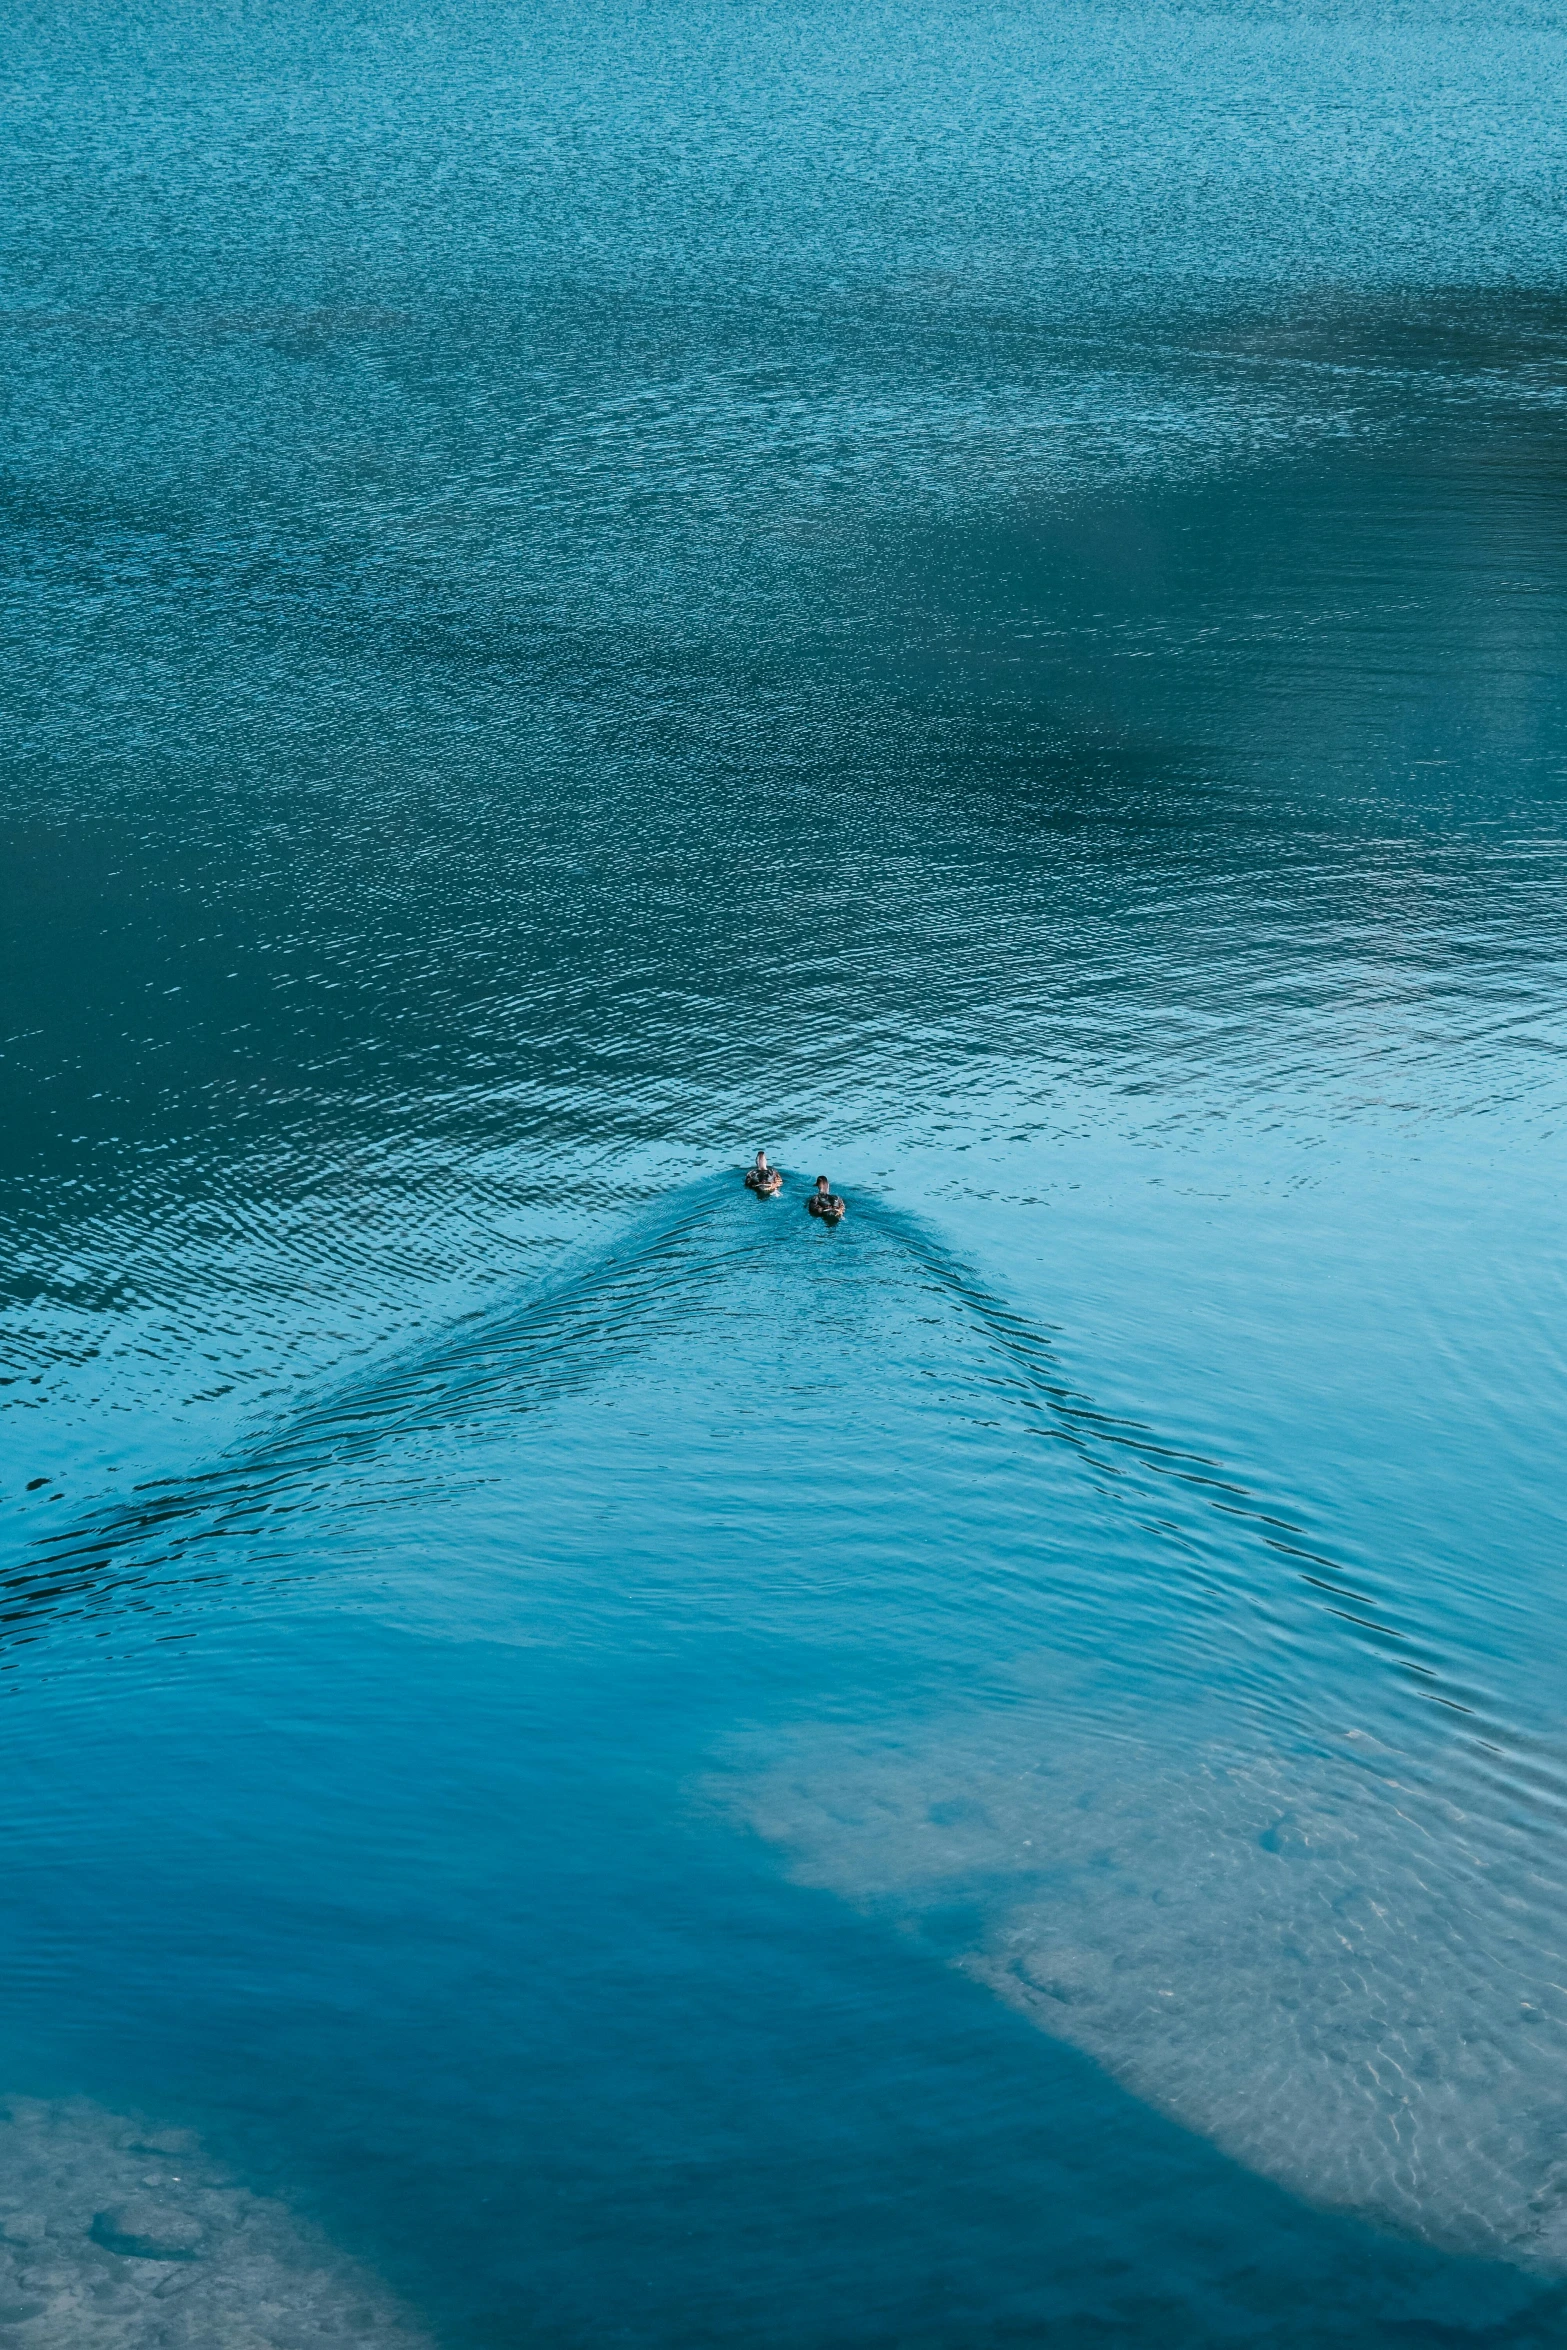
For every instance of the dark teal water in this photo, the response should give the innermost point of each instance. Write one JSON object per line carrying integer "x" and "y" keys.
{"x": 976, "y": 598}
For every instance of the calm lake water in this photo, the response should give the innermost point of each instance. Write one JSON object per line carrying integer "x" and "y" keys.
{"x": 977, "y": 597}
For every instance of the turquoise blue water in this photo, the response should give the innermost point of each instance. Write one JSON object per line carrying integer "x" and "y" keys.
{"x": 975, "y": 599}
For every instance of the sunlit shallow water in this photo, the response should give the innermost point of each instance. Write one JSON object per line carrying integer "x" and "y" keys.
{"x": 978, "y": 602}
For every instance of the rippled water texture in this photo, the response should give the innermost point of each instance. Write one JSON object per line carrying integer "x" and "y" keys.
{"x": 975, "y": 597}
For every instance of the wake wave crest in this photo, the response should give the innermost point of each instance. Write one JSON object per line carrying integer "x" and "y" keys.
{"x": 558, "y": 1339}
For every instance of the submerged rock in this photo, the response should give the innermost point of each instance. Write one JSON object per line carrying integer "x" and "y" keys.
{"x": 115, "y": 2236}
{"x": 148, "y": 2231}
